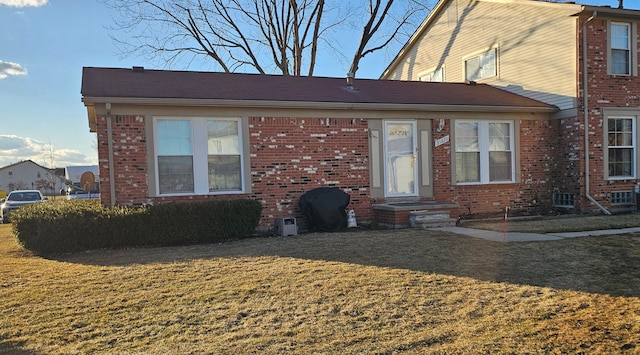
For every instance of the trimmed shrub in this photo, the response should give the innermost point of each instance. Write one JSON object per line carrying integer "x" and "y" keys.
{"x": 68, "y": 226}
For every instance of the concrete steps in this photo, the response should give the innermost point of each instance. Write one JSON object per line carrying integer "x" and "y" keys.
{"x": 430, "y": 219}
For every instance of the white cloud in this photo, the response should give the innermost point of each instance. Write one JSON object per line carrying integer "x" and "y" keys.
{"x": 24, "y": 3}
{"x": 9, "y": 68}
{"x": 14, "y": 149}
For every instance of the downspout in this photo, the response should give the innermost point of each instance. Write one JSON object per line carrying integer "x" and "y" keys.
{"x": 112, "y": 174}
{"x": 585, "y": 108}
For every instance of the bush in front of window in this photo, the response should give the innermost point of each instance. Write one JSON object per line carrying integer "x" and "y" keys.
{"x": 75, "y": 225}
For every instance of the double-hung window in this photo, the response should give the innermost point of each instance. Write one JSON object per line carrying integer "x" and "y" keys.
{"x": 620, "y": 45}
{"x": 484, "y": 151}
{"x": 481, "y": 66}
{"x": 621, "y": 140}
{"x": 199, "y": 156}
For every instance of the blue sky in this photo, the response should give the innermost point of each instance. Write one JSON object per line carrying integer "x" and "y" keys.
{"x": 43, "y": 46}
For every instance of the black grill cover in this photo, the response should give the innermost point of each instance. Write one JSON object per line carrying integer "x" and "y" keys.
{"x": 324, "y": 208}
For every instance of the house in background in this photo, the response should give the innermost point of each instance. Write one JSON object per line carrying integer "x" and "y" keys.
{"x": 29, "y": 175}
{"x": 581, "y": 59}
{"x": 73, "y": 175}
{"x": 167, "y": 136}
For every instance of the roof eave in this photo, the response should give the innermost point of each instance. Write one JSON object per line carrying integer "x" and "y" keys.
{"x": 90, "y": 101}
{"x": 588, "y": 10}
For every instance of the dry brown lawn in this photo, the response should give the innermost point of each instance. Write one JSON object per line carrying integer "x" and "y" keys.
{"x": 358, "y": 292}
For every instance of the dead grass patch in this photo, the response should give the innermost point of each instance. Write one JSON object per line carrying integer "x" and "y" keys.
{"x": 362, "y": 292}
{"x": 557, "y": 224}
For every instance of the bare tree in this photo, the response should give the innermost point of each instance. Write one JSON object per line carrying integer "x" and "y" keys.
{"x": 284, "y": 36}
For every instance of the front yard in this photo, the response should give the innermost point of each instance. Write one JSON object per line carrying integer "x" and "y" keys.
{"x": 358, "y": 292}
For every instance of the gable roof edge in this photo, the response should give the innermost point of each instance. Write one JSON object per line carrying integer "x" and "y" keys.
{"x": 414, "y": 37}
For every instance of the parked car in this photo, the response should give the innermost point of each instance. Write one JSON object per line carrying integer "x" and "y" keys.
{"x": 17, "y": 199}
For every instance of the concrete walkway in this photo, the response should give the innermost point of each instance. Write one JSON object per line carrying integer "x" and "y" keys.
{"x": 532, "y": 237}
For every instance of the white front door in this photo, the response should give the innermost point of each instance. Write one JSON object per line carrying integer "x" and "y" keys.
{"x": 401, "y": 173}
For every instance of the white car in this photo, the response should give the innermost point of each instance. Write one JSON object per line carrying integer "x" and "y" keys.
{"x": 17, "y": 199}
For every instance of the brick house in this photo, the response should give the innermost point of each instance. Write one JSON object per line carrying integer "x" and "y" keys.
{"x": 581, "y": 59}
{"x": 186, "y": 136}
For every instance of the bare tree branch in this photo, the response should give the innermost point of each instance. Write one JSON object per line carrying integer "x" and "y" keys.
{"x": 254, "y": 35}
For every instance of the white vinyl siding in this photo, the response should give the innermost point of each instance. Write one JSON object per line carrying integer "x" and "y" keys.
{"x": 526, "y": 34}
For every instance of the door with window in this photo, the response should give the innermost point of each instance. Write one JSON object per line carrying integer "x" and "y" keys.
{"x": 400, "y": 166}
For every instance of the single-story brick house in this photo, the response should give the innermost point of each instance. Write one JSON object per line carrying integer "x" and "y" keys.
{"x": 187, "y": 136}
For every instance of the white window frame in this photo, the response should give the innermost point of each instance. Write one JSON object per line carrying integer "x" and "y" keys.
{"x": 483, "y": 149}
{"x": 431, "y": 73}
{"x": 632, "y": 48}
{"x": 485, "y": 70}
{"x": 200, "y": 154}
{"x": 633, "y": 147}
{"x": 627, "y": 48}
{"x": 385, "y": 129}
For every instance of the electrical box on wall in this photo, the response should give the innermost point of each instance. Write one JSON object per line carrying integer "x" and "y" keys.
{"x": 286, "y": 226}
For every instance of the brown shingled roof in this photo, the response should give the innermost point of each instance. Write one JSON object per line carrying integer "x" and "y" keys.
{"x": 114, "y": 83}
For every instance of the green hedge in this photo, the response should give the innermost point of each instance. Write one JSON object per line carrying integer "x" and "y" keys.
{"x": 68, "y": 226}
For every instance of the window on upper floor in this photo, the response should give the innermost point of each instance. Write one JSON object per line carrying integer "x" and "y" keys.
{"x": 621, "y": 151}
{"x": 620, "y": 44}
{"x": 199, "y": 155}
{"x": 433, "y": 75}
{"x": 484, "y": 151}
{"x": 481, "y": 66}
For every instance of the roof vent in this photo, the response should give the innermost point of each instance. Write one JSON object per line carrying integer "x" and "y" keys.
{"x": 137, "y": 69}
{"x": 350, "y": 81}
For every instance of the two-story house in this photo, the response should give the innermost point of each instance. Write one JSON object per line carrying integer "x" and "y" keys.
{"x": 582, "y": 59}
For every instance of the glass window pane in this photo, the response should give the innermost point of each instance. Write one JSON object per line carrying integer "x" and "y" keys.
{"x": 224, "y": 173}
{"x": 467, "y": 167}
{"x": 174, "y": 137}
{"x": 500, "y": 166}
{"x": 489, "y": 64}
{"x": 175, "y": 174}
{"x": 499, "y": 137}
{"x": 400, "y": 163}
{"x": 472, "y": 68}
{"x": 223, "y": 137}
{"x": 620, "y": 162}
{"x": 466, "y": 136}
{"x": 619, "y": 36}
{"x": 619, "y": 61}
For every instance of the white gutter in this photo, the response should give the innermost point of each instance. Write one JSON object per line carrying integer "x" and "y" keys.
{"x": 585, "y": 108}
{"x": 112, "y": 182}
{"x": 336, "y": 106}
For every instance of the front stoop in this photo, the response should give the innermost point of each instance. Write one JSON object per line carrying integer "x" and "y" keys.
{"x": 418, "y": 214}
{"x": 430, "y": 219}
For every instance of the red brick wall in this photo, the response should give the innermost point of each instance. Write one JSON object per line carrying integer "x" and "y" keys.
{"x": 532, "y": 193}
{"x": 129, "y": 155}
{"x": 604, "y": 91}
{"x": 289, "y": 156}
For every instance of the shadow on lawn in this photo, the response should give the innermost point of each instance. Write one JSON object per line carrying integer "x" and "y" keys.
{"x": 608, "y": 265}
{"x": 14, "y": 348}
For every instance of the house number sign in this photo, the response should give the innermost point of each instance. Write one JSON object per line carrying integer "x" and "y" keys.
{"x": 441, "y": 141}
